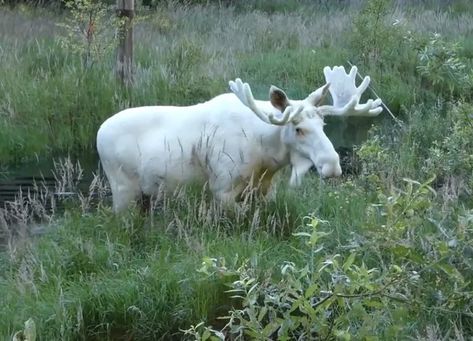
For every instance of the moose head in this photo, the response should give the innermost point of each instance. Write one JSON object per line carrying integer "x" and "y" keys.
{"x": 302, "y": 121}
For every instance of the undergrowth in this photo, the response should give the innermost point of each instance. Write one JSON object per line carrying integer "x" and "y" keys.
{"x": 365, "y": 257}
{"x": 381, "y": 253}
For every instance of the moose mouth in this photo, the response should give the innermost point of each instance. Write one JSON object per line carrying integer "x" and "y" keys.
{"x": 328, "y": 170}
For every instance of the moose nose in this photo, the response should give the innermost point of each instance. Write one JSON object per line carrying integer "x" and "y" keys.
{"x": 331, "y": 170}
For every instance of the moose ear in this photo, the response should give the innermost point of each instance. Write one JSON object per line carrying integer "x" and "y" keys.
{"x": 318, "y": 95}
{"x": 278, "y": 98}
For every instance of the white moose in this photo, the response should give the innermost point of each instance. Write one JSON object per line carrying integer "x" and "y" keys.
{"x": 228, "y": 141}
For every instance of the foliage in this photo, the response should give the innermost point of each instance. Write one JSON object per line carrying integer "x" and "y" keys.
{"x": 383, "y": 263}
{"x": 380, "y": 255}
{"x": 89, "y": 31}
{"x": 450, "y": 156}
{"x": 441, "y": 66}
{"x": 379, "y": 39}
{"x": 378, "y": 47}
{"x": 372, "y": 154}
{"x": 372, "y": 291}
{"x": 372, "y": 38}
{"x": 435, "y": 142}
{"x": 182, "y": 59}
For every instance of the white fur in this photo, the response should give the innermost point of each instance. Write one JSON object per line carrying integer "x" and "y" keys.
{"x": 224, "y": 142}
{"x": 220, "y": 141}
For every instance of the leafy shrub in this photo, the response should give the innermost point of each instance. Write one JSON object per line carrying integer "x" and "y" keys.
{"x": 374, "y": 40}
{"x": 408, "y": 67}
{"x": 375, "y": 284}
{"x": 450, "y": 156}
{"x": 372, "y": 155}
{"x": 89, "y": 32}
{"x": 441, "y": 66}
{"x": 378, "y": 48}
{"x": 436, "y": 141}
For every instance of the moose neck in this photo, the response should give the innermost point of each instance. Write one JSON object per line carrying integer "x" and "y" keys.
{"x": 276, "y": 153}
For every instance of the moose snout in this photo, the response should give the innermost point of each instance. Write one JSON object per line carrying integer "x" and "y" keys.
{"x": 329, "y": 166}
{"x": 331, "y": 170}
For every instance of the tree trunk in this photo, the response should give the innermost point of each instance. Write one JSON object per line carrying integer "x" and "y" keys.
{"x": 126, "y": 12}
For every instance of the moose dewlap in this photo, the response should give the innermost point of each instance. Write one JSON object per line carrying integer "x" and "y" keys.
{"x": 230, "y": 141}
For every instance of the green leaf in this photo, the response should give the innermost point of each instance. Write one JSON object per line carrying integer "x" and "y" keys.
{"x": 270, "y": 328}
{"x": 206, "y": 335}
{"x": 349, "y": 261}
{"x": 342, "y": 335}
{"x": 373, "y": 303}
{"x": 311, "y": 290}
{"x": 262, "y": 313}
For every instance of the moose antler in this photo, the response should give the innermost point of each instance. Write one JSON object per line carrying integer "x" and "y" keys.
{"x": 243, "y": 92}
{"x": 346, "y": 95}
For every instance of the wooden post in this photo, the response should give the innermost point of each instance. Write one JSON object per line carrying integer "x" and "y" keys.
{"x": 126, "y": 12}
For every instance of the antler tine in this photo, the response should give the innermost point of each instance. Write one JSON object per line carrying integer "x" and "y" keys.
{"x": 346, "y": 95}
{"x": 287, "y": 116}
{"x": 244, "y": 94}
{"x": 238, "y": 89}
{"x": 250, "y": 103}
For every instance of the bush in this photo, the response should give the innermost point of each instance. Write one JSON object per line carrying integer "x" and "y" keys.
{"x": 443, "y": 69}
{"x": 378, "y": 47}
{"x": 374, "y": 284}
{"x": 450, "y": 156}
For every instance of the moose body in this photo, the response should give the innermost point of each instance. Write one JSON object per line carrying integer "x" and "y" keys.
{"x": 221, "y": 142}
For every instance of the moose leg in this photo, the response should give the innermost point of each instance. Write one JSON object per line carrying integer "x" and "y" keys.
{"x": 123, "y": 196}
{"x": 145, "y": 203}
{"x": 224, "y": 192}
{"x": 265, "y": 182}
{"x": 226, "y": 198}
{"x": 124, "y": 190}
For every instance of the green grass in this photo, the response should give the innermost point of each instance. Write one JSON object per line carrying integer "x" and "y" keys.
{"x": 182, "y": 57}
{"x": 93, "y": 275}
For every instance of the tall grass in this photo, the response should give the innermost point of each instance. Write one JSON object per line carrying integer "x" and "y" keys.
{"x": 92, "y": 274}
{"x": 381, "y": 253}
{"x": 185, "y": 55}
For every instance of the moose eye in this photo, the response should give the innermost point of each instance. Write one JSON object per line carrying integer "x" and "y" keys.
{"x": 299, "y": 132}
